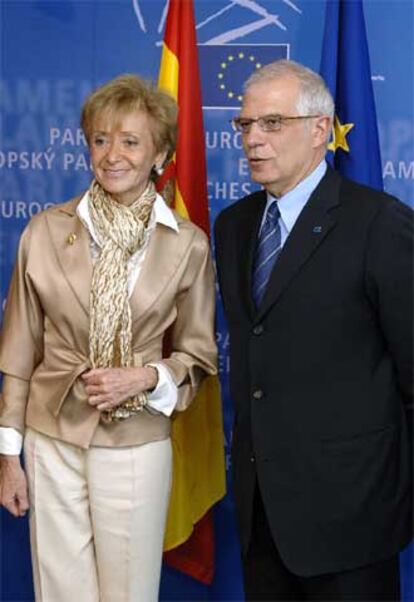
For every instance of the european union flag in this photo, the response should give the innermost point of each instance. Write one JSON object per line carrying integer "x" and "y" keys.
{"x": 224, "y": 68}
{"x": 346, "y": 69}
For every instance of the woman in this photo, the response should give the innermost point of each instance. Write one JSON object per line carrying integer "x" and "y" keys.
{"x": 98, "y": 282}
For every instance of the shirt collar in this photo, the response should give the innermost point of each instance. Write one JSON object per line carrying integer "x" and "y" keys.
{"x": 291, "y": 204}
{"x": 161, "y": 213}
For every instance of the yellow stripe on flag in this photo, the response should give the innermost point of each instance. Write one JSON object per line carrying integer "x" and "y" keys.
{"x": 179, "y": 204}
{"x": 169, "y": 70}
{"x": 200, "y": 482}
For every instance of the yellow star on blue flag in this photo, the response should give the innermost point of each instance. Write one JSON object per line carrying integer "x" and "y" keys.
{"x": 345, "y": 68}
{"x": 339, "y": 134}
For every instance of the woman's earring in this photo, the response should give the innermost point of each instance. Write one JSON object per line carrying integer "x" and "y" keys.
{"x": 158, "y": 169}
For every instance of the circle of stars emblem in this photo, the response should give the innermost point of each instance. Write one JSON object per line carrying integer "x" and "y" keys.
{"x": 231, "y": 60}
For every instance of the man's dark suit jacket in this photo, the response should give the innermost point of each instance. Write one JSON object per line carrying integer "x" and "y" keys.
{"x": 321, "y": 376}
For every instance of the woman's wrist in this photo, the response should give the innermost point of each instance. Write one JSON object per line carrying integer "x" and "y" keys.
{"x": 151, "y": 378}
{"x": 9, "y": 460}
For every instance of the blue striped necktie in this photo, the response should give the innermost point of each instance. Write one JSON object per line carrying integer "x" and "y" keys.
{"x": 267, "y": 251}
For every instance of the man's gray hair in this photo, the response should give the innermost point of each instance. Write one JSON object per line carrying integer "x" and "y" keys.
{"x": 314, "y": 96}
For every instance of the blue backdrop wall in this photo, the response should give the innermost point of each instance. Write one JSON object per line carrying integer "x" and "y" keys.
{"x": 54, "y": 52}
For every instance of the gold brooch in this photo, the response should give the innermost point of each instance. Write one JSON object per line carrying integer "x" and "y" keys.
{"x": 71, "y": 238}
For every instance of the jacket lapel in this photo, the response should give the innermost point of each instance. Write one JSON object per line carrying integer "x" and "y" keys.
{"x": 72, "y": 246}
{"x": 164, "y": 256}
{"x": 247, "y": 231}
{"x": 311, "y": 228}
{"x": 71, "y": 243}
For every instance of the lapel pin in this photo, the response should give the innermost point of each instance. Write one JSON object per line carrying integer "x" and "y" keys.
{"x": 317, "y": 229}
{"x": 71, "y": 238}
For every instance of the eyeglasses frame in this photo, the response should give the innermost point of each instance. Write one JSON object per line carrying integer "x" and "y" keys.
{"x": 235, "y": 122}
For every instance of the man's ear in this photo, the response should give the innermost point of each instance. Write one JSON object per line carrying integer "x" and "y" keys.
{"x": 322, "y": 128}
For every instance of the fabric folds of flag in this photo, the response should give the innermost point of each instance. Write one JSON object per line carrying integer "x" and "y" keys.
{"x": 345, "y": 67}
{"x": 197, "y": 433}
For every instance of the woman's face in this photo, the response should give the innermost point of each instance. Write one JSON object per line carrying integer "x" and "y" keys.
{"x": 123, "y": 154}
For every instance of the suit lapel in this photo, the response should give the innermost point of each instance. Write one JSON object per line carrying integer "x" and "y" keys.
{"x": 312, "y": 226}
{"x": 71, "y": 243}
{"x": 247, "y": 231}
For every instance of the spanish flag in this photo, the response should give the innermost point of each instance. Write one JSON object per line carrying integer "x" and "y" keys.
{"x": 197, "y": 433}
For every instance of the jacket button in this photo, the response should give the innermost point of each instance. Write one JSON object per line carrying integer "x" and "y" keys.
{"x": 258, "y": 330}
{"x": 252, "y": 459}
{"x": 258, "y": 394}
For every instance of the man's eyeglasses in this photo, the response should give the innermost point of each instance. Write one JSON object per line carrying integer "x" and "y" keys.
{"x": 268, "y": 123}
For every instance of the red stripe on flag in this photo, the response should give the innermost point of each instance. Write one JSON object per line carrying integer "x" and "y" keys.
{"x": 195, "y": 557}
{"x": 180, "y": 38}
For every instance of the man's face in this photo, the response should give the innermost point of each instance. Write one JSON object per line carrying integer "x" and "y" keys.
{"x": 280, "y": 160}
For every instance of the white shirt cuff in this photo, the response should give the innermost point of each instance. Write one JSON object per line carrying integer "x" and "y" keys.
{"x": 164, "y": 397}
{"x": 11, "y": 441}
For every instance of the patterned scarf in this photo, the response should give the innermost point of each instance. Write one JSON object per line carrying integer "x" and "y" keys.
{"x": 120, "y": 232}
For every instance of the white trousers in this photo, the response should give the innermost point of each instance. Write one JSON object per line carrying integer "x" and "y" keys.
{"x": 97, "y": 519}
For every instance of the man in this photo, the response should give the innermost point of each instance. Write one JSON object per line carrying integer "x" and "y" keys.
{"x": 315, "y": 275}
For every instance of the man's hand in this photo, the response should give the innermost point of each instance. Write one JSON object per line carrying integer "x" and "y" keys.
{"x": 107, "y": 388}
{"x": 13, "y": 486}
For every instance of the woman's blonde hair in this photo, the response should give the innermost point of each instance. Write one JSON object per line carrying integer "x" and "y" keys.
{"x": 127, "y": 93}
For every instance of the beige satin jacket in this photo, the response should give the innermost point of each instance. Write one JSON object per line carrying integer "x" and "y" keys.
{"x": 44, "y": 341}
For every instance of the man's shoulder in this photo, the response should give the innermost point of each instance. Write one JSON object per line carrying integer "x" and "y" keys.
{"x": 361, "y": 198}
{"x": 243, "y": 207}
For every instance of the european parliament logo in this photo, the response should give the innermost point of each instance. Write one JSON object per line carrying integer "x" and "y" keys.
{"x": 224, "y": 69}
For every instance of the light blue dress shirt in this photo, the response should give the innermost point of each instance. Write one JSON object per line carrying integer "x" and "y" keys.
{"x": 291, "y": 204}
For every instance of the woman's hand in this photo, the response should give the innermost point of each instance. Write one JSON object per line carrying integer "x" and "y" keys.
{"x": 13, "y": 486}
{"x": 108, "y": 387}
